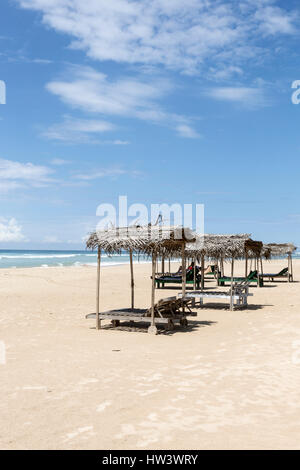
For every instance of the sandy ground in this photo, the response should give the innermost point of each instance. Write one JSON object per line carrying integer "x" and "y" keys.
{"x": 230, "y": 381}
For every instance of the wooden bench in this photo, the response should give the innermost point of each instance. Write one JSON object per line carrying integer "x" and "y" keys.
{"x": 239, "y": 296}
{"x": 169, "y": 311}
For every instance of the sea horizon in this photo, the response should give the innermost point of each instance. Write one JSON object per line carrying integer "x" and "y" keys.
{"x": 62, "y": 258}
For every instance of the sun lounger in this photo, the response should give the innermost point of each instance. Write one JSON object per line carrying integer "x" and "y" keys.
{"x": 177, "y": 279}
{"x": 167, "y": 311}
{"x": 283, "y": 274}
{"x": 211, "y": 272}
{"x": 239, "y": 297}
{"x": 251, "y": 278}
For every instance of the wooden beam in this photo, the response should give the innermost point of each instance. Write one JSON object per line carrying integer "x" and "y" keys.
{"x": 152, "y": 328}
{"x": 290, "y": 269}
{"x": 183, "y": 270}
{"x": 132, "y": 279}
{"x": 292, "y": 274}
{"x": 222, "y": 266}
{"x": 202, "y": 271}
{"x": 98, "y": 322}
{"x": 153, "y": 288}
{"x": 231, "y": 288}
{"x": 257, "y": 268}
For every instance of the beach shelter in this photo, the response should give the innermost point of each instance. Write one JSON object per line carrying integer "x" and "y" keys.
{"x": 152, "y": 241}
{"x": 224, "y": 247}
{"x": 273, "y": 250}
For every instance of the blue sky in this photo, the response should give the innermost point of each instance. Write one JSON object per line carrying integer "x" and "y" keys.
{"x": 158, "y": 101}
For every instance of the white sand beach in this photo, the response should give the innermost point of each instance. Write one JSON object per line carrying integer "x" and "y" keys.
{"x": 229, "y": 381}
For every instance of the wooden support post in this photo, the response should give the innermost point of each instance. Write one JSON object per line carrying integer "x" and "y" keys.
{"x": 246, "y": 265}
{"x": 163, "y": 264}
{"x": 183, "y": 260}
{"x": 261, "y": 266}
{"x": 194, "y": 260}
{"x": 98, "y": 322}
{"x": 218, "y": 271}
{"x": 292, "y": 274}
{"x": 202, "y": 271}
{"x": 152, "y": 328}
{"x": 258, "y": 276}
{"x": 290, "y": 268}
{"x": 222, "y": 266}
{"x": 169, "y": 265}
{"x": 132, "y": 279}
{"x": 231, "y": 288}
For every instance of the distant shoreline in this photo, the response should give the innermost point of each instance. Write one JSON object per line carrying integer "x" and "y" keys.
{"x": 17, "y": 259}
{"x": 83, "y": 265}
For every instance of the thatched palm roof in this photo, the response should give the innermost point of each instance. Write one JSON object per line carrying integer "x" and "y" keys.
{"x": 278, "y": 249}
{"x": 145, "y": 240}
{"x": 226, "y": 246}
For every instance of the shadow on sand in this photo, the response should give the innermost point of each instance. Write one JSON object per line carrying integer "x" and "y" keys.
{"x": 143, "y": 327}
{"x": 226, "y": 307}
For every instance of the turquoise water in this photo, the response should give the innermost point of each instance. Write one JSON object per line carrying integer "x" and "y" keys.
{"x": 50, "y": 258}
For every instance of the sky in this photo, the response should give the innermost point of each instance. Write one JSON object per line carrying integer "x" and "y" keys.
{"x": 162, "y": 101}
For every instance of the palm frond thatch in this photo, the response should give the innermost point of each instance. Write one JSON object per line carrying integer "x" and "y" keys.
{"x": 165, "y": 240}
{"x": 278, "y": 249}
{"x": 225, "y": 246}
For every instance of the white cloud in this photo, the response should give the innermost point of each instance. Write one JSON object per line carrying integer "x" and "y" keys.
{"x": 224, "y": 72}
{"x": 77, "y": 130}
{"x": 273, "y": 21}
{"x": 91, "y": 91}
{"x": 59, "y": 161}
{"x": 218, "y": 39}
{"x": 7, "y": 186}
{"x": 186, "y": 131}
{"x": 251, "y": 97}
{"x": 120, "y": 142}
{"x": 107, "y": 173}
{"x": 10, "y": 231}
{"x": 11, "y": 170}
{"x": 178, "y": 35}
{"x": 15, "y": 175}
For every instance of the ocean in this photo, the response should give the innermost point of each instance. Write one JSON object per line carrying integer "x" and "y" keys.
{"x": 50, "y": 258}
